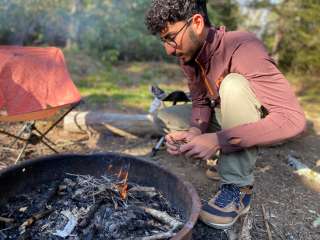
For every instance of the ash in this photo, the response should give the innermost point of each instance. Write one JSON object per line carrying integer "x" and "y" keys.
{"x": 86, "y": 207}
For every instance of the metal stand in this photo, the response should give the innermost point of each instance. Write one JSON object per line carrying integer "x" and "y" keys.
{"x": 34, "y": 136}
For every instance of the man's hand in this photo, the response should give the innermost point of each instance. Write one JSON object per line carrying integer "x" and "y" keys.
{"x": 202, "y": 146}
{"x": 176, "y": 139}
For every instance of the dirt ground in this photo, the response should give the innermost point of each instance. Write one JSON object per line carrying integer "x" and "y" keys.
{"x": 290, "y": 207}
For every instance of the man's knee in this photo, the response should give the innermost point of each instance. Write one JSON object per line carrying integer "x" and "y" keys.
{"x": 233, "y": 85}
{"x": 239, "y": 104}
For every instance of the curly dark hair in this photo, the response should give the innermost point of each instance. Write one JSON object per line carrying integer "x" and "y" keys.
{"x": 162, "y": 12}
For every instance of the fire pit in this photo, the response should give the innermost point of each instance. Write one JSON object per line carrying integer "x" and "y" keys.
{"x": 181, "y": 195}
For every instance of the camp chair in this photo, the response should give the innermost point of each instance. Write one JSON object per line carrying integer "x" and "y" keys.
{"x": 161, "y": 97}
{"x": 29, "y": 133}
{"x": 34, "y": 85}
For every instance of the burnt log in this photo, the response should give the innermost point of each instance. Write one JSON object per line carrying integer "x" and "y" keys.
{"x": 164, "y": 217}
{"x": 35, "y": 217}
{"x": 6, "y": 220}
{"x": 87, "y": 219}
{"x": 126, "y": 125}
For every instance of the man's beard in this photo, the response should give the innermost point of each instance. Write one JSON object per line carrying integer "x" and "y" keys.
{"x": 197, "y": 44}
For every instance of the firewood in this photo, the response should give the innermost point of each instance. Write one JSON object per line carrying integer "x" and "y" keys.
{"x": 6, "y": 220}
{"x": 163, "y": 217}
{"x": 159, "y": 236}
{"x": 142, "y": 189}
{"x": 51, "y": 194}
{"x": 93, "y": 187}
{"x": 87, "y": 219}
{"x": 35, "y": 217}
{"x": 42, "y": 213}
{"x": 97, "y": 204}
{"x": 149, "y": 191}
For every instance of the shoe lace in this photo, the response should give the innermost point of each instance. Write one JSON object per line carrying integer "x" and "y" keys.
{"x": 228, "y": 193}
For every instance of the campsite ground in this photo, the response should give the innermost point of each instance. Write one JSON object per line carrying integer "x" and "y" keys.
{"x": 290, "y": 207}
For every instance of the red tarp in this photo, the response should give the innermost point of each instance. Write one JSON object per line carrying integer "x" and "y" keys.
{"x": 33, "y": 79}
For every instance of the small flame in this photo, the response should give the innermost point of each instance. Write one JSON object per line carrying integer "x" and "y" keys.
{"x": 123, "y": 186}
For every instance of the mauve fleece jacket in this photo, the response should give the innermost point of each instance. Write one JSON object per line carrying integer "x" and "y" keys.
{"x": 241, "y": 52}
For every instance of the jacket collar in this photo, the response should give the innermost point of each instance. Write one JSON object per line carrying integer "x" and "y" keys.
{"x": 208, "y": 48}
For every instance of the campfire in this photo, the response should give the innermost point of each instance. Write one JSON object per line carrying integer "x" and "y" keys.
{"x": 87, "y": 207}
{"x": 102, "y": 196}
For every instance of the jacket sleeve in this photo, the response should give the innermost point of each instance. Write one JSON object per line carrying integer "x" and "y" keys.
{"x": 285, "y": 117}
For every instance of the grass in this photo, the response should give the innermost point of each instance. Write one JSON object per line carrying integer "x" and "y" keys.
{"x": 121, "y": 87}
{"x": 307, "y": 89}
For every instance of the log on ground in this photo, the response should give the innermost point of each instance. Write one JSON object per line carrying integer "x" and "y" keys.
{"x": 127, "y": 125}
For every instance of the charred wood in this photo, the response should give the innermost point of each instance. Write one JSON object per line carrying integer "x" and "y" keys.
{"x": 6, "y": 220}
{"x": 159, "y": 236}
{"x": 87, "y": 219}
{"x": 163, "y": 217}
{"x": 95, "y": 207}
{"x": 35, "y": 217}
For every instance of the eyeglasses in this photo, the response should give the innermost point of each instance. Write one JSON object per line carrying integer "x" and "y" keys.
{"x": 170, "y": 38}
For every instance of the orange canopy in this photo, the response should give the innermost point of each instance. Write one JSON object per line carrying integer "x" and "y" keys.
{"x": 34, "y": 79}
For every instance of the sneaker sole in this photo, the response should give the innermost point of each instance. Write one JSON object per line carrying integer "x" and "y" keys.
{"x": 227, "y": 225}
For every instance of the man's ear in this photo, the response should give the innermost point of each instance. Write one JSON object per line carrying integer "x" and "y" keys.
{"x": 198, "y": 24}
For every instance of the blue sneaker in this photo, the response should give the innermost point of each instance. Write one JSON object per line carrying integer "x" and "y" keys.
{"x": 227, "y": 206}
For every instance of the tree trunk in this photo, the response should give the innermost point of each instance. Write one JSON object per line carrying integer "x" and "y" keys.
{"x": 76, "y": 8}
{"x": 276, "y": 44}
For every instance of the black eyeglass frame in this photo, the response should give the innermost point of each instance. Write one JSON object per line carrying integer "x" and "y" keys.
{"x": 172, "y": 41}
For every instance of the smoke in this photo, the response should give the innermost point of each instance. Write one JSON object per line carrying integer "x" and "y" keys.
{"x": 51, "y": 22}
{"x": 24, "y": 22}
{"x": 96, "y": 26}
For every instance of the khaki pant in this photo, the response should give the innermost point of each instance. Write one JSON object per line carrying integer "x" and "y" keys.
{"x": 238, "y": 105}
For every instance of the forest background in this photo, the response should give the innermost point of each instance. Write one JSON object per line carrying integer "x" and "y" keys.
{"x": 113, "y": 59}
